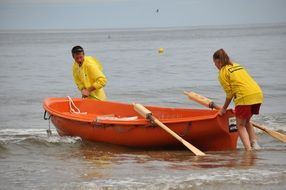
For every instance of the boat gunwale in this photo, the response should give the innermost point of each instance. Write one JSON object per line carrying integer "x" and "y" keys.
{"x": 139, "y": 121}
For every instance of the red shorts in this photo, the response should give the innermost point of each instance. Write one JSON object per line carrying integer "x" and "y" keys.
{"x": 246, "y": 111}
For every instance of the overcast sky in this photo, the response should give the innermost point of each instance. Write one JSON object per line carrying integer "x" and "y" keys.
{"x": 89, "y": 14}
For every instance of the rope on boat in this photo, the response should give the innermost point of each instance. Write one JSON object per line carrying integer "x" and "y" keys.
{"x": 73, "y": 108}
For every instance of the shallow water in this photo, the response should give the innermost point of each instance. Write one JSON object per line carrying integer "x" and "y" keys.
{"x": 37, "y": 64}
{"x": 31, "y": 160}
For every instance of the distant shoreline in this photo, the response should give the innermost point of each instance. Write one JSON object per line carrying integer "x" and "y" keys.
{"x": 103, "y": 30}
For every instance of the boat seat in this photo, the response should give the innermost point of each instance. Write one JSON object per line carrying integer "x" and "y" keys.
{"x": 115, "y": 118}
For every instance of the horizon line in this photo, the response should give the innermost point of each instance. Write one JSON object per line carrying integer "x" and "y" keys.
{"x": 145, "y": 28}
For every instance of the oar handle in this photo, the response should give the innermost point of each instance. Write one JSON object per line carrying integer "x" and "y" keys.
{"x": 144, "y": 112}
{"x": 202, "y": 100}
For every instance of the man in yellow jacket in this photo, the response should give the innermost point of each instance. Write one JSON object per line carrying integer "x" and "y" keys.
{"x": 88, "y": 75}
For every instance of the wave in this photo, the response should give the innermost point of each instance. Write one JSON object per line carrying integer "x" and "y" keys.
{"x": 16, "y": 136}
{"x": 215, "y": 179}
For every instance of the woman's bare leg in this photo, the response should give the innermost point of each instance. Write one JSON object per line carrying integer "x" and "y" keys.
{"x": 251, "y": 132}
{"x": 243, "y": 134}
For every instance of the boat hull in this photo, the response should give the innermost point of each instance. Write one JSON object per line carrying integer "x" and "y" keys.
{"x": 208, "y": 132}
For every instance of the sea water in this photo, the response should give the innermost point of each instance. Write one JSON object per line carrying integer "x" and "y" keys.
{"x": 37, "y": 64}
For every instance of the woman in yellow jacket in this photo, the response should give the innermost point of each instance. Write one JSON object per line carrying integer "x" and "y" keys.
{"x": 88, "y": 75}
{"x": 247, "y": 95}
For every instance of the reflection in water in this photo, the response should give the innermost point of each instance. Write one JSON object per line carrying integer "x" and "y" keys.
{"x": 248, "y": 159}
{"x": 99, "y": 159}
{"x": 104, "y": 161}
{"x": 233, "y": 159}
{"x": 184, "y": 160}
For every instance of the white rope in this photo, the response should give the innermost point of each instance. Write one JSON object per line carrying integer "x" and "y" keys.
{"x": 74, "y": 110}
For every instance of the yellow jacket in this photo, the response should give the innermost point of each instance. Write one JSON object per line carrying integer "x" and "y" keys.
{"x": 90, "y": 74}
{"x": 238, "y": 84}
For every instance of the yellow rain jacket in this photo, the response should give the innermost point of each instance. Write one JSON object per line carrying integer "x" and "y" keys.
{"x": 238, "y": 84}
{"x": 90, "y": 74}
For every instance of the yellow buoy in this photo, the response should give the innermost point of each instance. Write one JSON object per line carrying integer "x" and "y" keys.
{"x": 161, "y": 50}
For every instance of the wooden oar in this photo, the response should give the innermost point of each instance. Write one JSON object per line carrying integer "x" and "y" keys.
{"x": 148, "y": 115}
{"x": 209, "y": 103}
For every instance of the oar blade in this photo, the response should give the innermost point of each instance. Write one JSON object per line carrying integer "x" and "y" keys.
{"x": 273, "y": 133}
{"x": 196, "y": 151}
{"x": 148, "y": 115}
{"x": 277, "y": 135}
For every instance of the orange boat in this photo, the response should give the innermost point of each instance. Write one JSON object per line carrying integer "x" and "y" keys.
{"x": 119, "y": 123}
